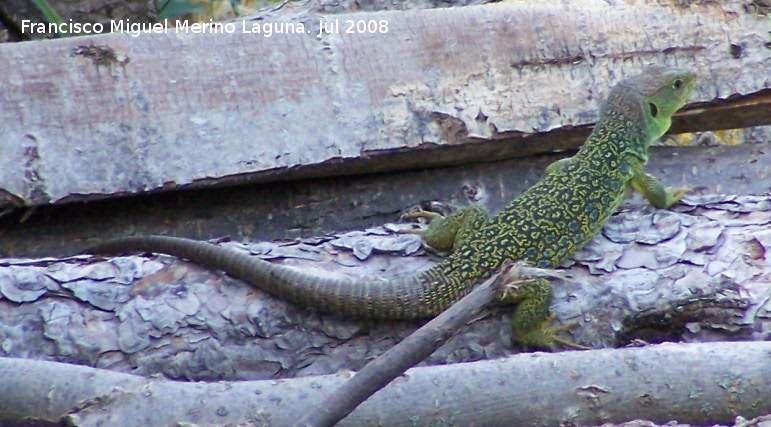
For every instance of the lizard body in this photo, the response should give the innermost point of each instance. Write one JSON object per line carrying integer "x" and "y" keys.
{"x": 544, "y": 225}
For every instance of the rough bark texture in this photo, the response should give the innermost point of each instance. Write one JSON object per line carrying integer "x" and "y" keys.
{"x": 701, "y": 272}
{"x": 696, "y": 383}
{"x": 315, "y": 207}
{"x": 109, "y": 115}
{"x": 412, "y": 350}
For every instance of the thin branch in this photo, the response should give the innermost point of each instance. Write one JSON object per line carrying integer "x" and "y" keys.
{"x": 413, "y": 349}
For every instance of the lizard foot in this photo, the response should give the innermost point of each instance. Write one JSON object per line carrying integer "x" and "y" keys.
{"x": 430, "y": 216}
{"x": 545, "y": 336}
{"x": 531, "y": 318}
{"x": 675, "y": 194}
{"x": 449, "y": 232}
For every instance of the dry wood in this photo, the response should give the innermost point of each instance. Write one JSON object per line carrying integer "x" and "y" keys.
{"x": 693, "y": 383}
{"x": 313, "y": 208}
{"x": 381, "y": 371}
{"x": 735, "y": 113}
{"x": 116, "y": 114}
{"x": 699, "y": 273}
{"x": 416, "y": 347}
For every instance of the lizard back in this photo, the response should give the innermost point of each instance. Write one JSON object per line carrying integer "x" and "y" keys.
{"x": 545, "y": 225}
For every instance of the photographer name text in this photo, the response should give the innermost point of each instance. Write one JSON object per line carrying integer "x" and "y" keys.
{"x": 265, "y": 29}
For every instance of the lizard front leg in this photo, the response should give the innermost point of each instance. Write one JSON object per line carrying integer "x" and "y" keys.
{"x": 652, "y": 189}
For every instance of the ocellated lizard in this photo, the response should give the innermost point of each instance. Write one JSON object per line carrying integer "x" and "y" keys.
{"x": 544, "y": 225}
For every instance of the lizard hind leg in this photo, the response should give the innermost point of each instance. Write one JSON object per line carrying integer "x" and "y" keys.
{"x": 449, "y": 232}
{"x": 530, "y": 321}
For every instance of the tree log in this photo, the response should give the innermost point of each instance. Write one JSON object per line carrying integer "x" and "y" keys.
{"x": 691, "y": 383}
{"x": 699, "y": 273}
{"x": 289, "y": 210}
{"x": 301, "y": 105}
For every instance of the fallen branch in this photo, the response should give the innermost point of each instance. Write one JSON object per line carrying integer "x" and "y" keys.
{"x": 690, "y": 383}
{"x": 413, "y": 349}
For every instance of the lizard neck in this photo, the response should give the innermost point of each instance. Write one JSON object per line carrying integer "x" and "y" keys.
{"x": 623, "y": 128}
{"x": 616, "y": 139}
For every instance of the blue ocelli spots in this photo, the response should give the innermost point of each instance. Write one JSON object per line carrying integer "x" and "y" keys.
{"x": 624, "y": 167}
{"x": 592, "y": 213}
{"x": 531, "y": 253}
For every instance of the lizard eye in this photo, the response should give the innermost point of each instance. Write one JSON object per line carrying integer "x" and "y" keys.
{"x": 654, "y": 109}
{"x": 677, "y": 84}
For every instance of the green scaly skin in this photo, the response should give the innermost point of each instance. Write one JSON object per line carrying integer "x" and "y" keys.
{"x": 544, "y": 226}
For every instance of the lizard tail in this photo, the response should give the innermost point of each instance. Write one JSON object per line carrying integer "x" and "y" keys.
{"x": 414, "y": 297}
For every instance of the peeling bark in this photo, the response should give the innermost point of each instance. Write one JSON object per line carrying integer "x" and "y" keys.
{"x": 311, "y": 208}
{"x": 698, "y": 273}
{"x": 125, "y": 121}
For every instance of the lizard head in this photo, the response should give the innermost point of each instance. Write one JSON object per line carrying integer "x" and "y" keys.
{"x": 660, "y": 92}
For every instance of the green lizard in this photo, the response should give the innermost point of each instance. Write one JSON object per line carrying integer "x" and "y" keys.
{"x": 544, "y": 225}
